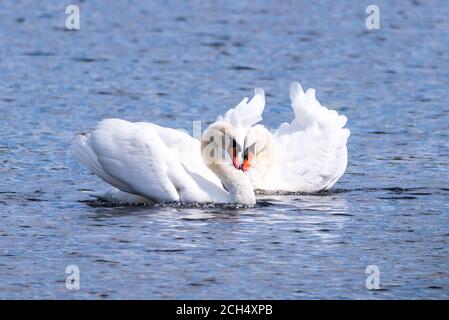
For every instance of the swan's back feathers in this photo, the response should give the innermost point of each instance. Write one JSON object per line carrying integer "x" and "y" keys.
{"x": 311, "y": 150}
{"x": 135, "y": 156}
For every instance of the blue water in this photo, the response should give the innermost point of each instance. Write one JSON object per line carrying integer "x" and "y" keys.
{"x": 177, "y": 62}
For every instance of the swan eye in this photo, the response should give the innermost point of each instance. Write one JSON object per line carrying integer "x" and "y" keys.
{"x": 233, "y": 150}
{"x": 251, "y": 150}
{"x": 248, "y": 156}
{"x": 236, "y": 146}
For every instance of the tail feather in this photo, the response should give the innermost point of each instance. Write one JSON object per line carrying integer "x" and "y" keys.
{"x": 83, "y": 152}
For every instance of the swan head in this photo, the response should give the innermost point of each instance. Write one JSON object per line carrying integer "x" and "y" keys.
{"x": 221, "y": 144}
{"x": 221, "y": 152}
{"x": 258, "y": 154}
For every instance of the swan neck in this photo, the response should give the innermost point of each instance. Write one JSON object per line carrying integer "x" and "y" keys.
{"x": 236, "y": 182}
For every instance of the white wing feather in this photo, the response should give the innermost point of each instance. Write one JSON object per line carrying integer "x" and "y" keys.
{"x": 148, "y": 160}
{"x": 311, "y": 150}
{"x": 247, "y": 113}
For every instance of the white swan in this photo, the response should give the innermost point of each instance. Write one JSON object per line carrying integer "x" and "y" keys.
{"x": 144, "y": 161}
{"x": 307, "y": 155}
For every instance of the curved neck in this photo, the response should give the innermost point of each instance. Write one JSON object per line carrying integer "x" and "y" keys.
{"x": 239, "y": 186}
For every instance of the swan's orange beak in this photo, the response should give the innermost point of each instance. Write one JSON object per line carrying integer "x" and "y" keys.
{"x": 247, "y": 161}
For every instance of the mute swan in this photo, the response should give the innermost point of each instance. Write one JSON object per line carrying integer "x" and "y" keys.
{"x": 144, "y": 161}
{"x": 307, "y": 155}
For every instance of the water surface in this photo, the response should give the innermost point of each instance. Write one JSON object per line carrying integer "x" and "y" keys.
{"x": 183, "y": 62}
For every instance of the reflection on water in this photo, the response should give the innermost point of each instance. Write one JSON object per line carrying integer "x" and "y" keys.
{"x": 183, "y": 62}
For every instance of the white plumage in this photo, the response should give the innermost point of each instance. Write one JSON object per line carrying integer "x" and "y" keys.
{"x": 310, "y": 152}
{"x": 144, "y": 161}
{"x": 153, "y": 162}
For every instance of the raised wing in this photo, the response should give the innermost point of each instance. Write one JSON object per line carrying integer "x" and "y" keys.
{"x": 246, "y": 114}
{"x": 311, "y": 150}
{"x": 148, "y": 160}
